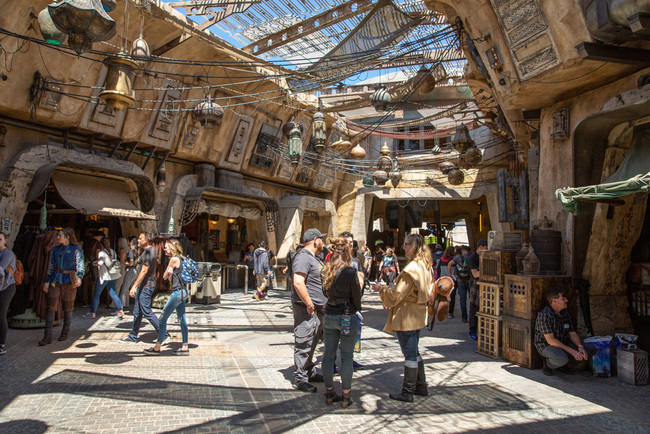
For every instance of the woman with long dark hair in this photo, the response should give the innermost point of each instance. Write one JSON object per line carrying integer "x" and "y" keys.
{"x": 341, "y": 286}
{"x": 7, "y": 287}
{"x": 407, "y": 301}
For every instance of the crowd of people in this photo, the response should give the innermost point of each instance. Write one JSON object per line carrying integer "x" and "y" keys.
{"x": 327, "y": 284}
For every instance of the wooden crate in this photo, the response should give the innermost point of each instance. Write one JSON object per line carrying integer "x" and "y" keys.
{"x": 490, "y": 298}
{"x": 525, "y": 296}
{"x": 489, "y": 335}
{"x": 495, "y": 265}
{"x": 518, "y": 335}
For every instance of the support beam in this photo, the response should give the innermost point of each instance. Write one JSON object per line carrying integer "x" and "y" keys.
{"x": 171, "y": 44}
{"x": 146, "y": 162}
{"x": 614, "y": 54}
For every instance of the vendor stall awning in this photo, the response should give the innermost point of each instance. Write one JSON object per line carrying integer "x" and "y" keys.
{"x": 633, "y": 176}
{"x": 95, "y": 195}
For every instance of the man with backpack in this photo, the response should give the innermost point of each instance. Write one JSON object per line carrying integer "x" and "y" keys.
{"x": 459, "y": 270}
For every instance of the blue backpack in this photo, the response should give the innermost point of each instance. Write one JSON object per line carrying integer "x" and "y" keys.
{"x": 189, "y": 271}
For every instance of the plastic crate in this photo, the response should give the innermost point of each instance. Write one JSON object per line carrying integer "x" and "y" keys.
{"x": 489, "y": 335}
{"x": 490, "y": 299}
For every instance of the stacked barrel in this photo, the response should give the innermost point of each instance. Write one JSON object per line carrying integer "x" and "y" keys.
{"x": 524, "y": 297}
{"x": 494, "y": 265}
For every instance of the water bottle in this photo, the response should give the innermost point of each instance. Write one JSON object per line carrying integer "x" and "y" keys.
{"x": 345, "y": 320}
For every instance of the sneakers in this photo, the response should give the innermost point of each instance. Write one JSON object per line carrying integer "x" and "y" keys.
{"x": 181, "y": 352}
{"x": 473, "y": 335}
{"x": 152, "y": 352}
{"x": 305, "y": 387}
{"x": 118, "y": 313}
{"x": 167, "y": 340}
{"x": 257, "y": 297}
{"x": 316, "y": 378}
{"x": 128, "y": 340}
{"x": 545, "y": 369}
{"x": 89, "y": 315}
{"x": 356, "y": 365}
{"x": 44, "y": 341}
{"x": 450, "y": 316}
{"x": 3, "y": 350}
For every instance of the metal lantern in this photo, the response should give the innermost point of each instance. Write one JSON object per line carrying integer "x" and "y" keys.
{"x": 424, "y": 81}
{"x": 357, "y": 153}
{"x": 84, "y": 21}
{"x": 385, "y": 150}
{"x": 118, "y": 91}
{"x": 295, "y": 145}
{"x": 50, "y": 33}
{"x": 140, "y": 50}
{"x": 289, "y": 126}
{"x": 381, "y": 177}
{"x": 531, "y": 263}
{"x": 446, "y": 166}
{"x": 368, "y": 181}
{"x": 319, "y": 132}
{"x": 380, "y": 99}
{"x": 455, "y": 177}
{"x": 208, "y": 114}
{"x": 462, "y": 141}
{"x": 395, "y": 175}
{"x": 473, "y": 156}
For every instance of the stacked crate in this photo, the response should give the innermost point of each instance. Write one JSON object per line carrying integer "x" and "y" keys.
{"x": 493, "y": 267}
{"x": 524, "y": 297}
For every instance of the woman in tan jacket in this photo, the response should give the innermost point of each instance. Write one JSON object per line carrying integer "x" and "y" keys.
{"x": 407, "y": 301}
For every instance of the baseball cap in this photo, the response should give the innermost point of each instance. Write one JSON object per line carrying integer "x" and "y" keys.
{"x": 482, "y": 242}
{"x": 312, "y": 234}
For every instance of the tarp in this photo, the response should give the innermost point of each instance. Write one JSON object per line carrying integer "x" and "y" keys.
{"x": 97, "y": 195}
{"x": 633, "y": 176}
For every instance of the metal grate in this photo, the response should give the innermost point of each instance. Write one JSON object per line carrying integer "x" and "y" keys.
{"x": 263, "y": 152}
{"x": 490, "y": 298}
{"x": 489, "y": 335}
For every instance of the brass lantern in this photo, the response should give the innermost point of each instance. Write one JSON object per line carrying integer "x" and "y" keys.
{"x": 208, "y": 114}
{"x": 381, "y": 177}
{"x": 319, "y": 132}
{"x": 357, "y": 153}
{"x": 462, "y": 141}
{"x": 424, "y": 81}
{"x": 140, "y": 50}
{"x": 295, "y": 145}
{"x": 455, "y": 177}
{"x": 118, "y": 91}
{"x": 286, "y": 128}
{"x": 84, "y": 21}
{"x": 473, "y": 156}
{"x": 380, "y": 99}
{"x": 50, "y": 33}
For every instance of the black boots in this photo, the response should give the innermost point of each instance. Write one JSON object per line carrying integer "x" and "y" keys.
{"x": 49, "y": 321}
{"x": 421, "y": 383}
{"x": 408, "y": 386}
{"x": 67, "y": 320}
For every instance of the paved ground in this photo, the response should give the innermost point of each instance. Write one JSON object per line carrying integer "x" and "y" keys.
{"x": 237, "y": 379}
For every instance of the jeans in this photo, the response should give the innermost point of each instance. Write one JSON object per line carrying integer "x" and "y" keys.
{"x": 332, "y": 337}
{"x": 409, "y": 342}
{"x": 142, "y": 308}
{"x": 99, "y": 288}
{"x": 176, "y": 303}
{"x": 556, "y": 357}
{"x": 463, "y": 288}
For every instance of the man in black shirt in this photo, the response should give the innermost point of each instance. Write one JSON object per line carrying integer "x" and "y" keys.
{"x": 555, "y": 338}
{"x": 473, "y": 265}
{"x": 143, "y": 287}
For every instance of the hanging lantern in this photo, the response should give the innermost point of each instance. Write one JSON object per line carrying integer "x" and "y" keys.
{"x": 208, "y": 114}
{"x": 455, "y": 177}
{"x": 446, "y": 166}
{"x": 161, "y": 177}
{"x": 43, "y": 216}
{"x": 385, "y": 150}
{"x": 319, "y": 132}
{"x": 462, "y": 141}
{"x": 424, "y": 81}
{"x": 395, "y": 175}
{"x": 368, "y": 181}
{"x": 380, "y": 99}
{"x": 473, "y": 156}
{"x": 295, "y": 145}
{"x": 50, "y": 33}
{"x": 109, "y": 5}
{"x": 357, "y": 153}
{"x": 84, "y": 21}
{"x": 289, "y": 126}
{"x": 531, "y": 263}
{"x": 118, "y": 91}
{"x": 140, "y": 50}
{"x": 381, "y": 177}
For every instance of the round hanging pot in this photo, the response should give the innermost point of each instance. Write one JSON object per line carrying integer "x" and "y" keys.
{"x": 381, "y": 177}
{"x": 286, "y": 128}
{"x": 473, "y": 156}
{"x": 455, "y": 177}
{"x": 357, "y": 153}
{"x": 368, "y": 181}
{"x": 380, "y": 99}
{"x": 50, "y": 33}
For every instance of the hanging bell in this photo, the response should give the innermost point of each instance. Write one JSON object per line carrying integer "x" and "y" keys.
{"x": 50, "y": 33}
{"x": 462, "y": 141}
{"x": 380, "y": 99}
{"x": 455, "y": 177}
{"x": 84, "y": 21}
{"x": 208, "y": 114}
{"x": 118, "y": 91}
{"x": 319, "y": 132}
{"x": 295, "y": 145}
{"x": 357, "y": 153}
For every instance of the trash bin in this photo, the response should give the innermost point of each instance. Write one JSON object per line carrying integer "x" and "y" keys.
{"x": 208, "y": 283}
{"x": 601, "y": 361}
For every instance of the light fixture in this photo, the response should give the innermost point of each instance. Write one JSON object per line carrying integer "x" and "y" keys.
{"x": 455, "y": 176}
{"x": 161, "y": 177}
{"x": 319, "y": 132}
{"x": 289, "y": 126}
{"x": 357, "y": 153}
{"x": 395, "y": 175}
{"x": 231, "y": 220}
{"x": 380, "y": 99}
{"x": 208, "y": 114}
{"x": 295, "y": 145}
{"x": 84, "y": 21}
{"x": 462, "y": 140}
{"x": 472, "y": 156}
{"x": 118, "y": 91}
{"x": 50, "y": 33}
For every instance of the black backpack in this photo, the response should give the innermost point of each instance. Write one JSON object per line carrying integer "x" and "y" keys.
{"x": 462, "y": 270}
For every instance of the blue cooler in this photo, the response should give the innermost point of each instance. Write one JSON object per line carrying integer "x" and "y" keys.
{"x": 601, "y": 362}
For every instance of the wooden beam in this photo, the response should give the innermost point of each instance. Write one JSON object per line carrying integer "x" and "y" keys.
{"x": 614, "y": 54}
{"x": 171, "y": 44}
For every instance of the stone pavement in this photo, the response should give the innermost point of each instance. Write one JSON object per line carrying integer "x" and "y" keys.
{"x": 238, "y": 379}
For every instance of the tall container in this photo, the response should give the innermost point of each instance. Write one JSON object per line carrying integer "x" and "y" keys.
{"x": 548, "y": 248}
